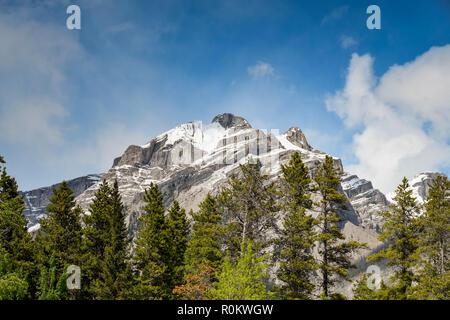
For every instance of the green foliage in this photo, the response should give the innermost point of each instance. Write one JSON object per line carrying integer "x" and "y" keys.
{"x": 95, "y": 238}
{"x": 14, "y": 238}
{"x": 13, "y": 285}
{"x": 250, "y": 209}
{"x": 13, "y": 225}
{"x": 334, "y": 251}
{"x": 115, "y": 276}
{"x": 52, "y": 287}
{"x": 434, "y": 273}
{"x": 204, "y": 244}
{"x": 106, "y": 272}
{"x": 243, "y": 279}
{"x": 296, "y": 239}
{"x": 177, "y": 232}
{"x": 62, "y": 228}
{"x": 401, "y": 230}
{"x": 150, "y": 254}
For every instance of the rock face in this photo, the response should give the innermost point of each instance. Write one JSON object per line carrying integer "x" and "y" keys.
{"x": 194, "y": 159}
{"x": 366, "y": 200}
{"x": 37, "y": 200}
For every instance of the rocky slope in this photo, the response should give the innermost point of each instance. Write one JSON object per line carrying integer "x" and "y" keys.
{"x": 37, "y": 200}
{"x": 193, "y": 159}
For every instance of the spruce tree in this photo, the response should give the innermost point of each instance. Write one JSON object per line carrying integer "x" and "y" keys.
{"x": 401, "y": 230}
{"x": 150, "y": 254}
{"x": 95, "y": 238}
{"x": 204, "y": 245}
{"x": 115, "y": 277}
{"x": 250, "y": 209}
{"x": 177, "y": 230}
{"x": 13, "y": 284}
{"x": 334, "y": 252}
{"x": 14, "y": 238}
{"x": 434, "y": 272}
{"x": 243, "y": 279}
{"x": 62, "y": 228}
{"x": 296, "y": 238}
{"x": 52, "y": 286}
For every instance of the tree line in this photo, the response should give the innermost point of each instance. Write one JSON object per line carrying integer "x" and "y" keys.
{"x": 257, "y": 239}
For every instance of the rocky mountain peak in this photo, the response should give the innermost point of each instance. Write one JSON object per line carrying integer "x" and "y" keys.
{"x": 295, "y": 136}
{"x": 229, "y": 120}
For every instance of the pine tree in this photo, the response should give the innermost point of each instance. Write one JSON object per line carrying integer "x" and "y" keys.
{"x": 243, "y": 279}
{"x": 95, "y": 232}
{"x": 13, "y": 284}
{"x": 13, "y": 225}
{"x": 204, "y": 245}
{"x": 62, "y": 228}
{"x": 14, "y": 238}
{"x": 296, "y": 239}
{"x": 250, "y": 209}
{"x": 177, "y": 232}
{"x": 150, "y": 254}
{"x": 401, "y": 231}
{"x": 115, "y": 274}
{"x": 52, "y": 287}
{"x": 434, "y": 274}
{"x": 197, "y": 285}
{"x": 334, "y": 251}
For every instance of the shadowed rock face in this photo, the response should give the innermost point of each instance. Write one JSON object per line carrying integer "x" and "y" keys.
{"x": 191, "y": 160}
{"x": 296, "y": 136}
{"x": 366, "y": 200}
{"x": 228, "y": 120}
{"x": 37, "y": 200}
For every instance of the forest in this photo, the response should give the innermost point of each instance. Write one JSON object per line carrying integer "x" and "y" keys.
{"x": 258, "y": 239}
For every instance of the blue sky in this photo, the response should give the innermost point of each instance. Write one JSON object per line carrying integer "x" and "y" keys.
{"x": 72, "y": 100}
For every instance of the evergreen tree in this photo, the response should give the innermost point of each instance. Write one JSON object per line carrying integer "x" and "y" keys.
{"x": 296, "y": 239}
{"x": 95, "y": 240}
{"x": 434, "y": 274}
{"x": 204, "y": 245}
{"x": 52, "y": 287}
{"x": 177, "y": 231}
{"x": 62, "y": 228}
{"x": 401, "y": 231}
{"x": 334, "y": 251}
{"x": 13, "y": 284}
{"x": 115, "y": 278}
{"x": 14, "y": 238}
{"x": 150, "y": 254}
{"x": 197, "y": 285}
{"x": 250, "y": 209}
{"x": 243, "y": 279}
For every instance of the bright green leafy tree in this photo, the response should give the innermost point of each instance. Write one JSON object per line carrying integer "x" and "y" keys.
{"x": 243, "y": 279}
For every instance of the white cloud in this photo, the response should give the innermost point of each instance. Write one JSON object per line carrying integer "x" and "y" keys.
{"x": 260, "y": 70}
{"x": 393, "y": 113}
{"x": 347, "y": 42}
{"x": 32, "y": 73}
{"x": 335, "y": 14}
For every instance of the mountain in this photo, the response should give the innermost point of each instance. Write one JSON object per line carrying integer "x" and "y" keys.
{"x": 419, "y": 186}
{"x": 194, "y": 159}
{"x": 37, "y": 200}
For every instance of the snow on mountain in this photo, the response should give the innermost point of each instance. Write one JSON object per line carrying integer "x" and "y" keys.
{"x": 194, "y": 159}
{"x": 419, "y": 186}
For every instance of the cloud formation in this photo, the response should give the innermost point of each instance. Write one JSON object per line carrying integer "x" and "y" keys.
{"x": 335, "y": 14}
{"x": 347, "y": 42}
{"x": 404, "y": 116}
{"x": 260, "y": 70}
